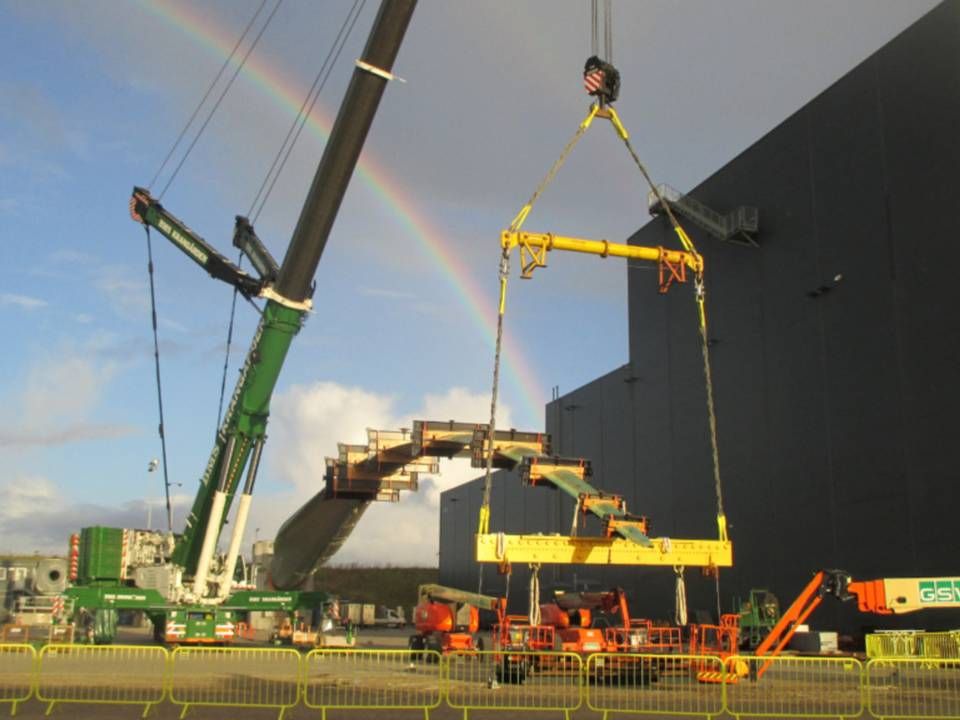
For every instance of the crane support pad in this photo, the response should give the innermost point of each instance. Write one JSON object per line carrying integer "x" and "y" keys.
{"x": 561, "y": 550}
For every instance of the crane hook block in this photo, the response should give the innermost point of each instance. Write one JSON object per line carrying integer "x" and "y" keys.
{"x": 601, "y": 79}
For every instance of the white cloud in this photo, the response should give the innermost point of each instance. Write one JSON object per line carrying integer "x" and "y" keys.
{"x": 26, "y": 495}
{"x": 127, "y": 295}
{"x": 62, "y": 389}
{"x": 307, "y": 423}
{"x": 77, "y": 432}
{"x": 384, "y": 293}
{"x": 34, "y": 518}
{"x": 56, "y": 399}
{"x": 24, "y": 302}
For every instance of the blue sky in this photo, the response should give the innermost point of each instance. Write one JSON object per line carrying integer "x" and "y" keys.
{"x": 96, "y": 92}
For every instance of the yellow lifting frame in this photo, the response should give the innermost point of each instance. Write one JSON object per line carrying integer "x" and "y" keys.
{"x": 502, "y": 548}
{"x": 559, "y": 549}
{"x": 535, "y": 246}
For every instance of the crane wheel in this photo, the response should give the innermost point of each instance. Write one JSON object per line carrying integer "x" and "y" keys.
{"x": 511, "y": 672}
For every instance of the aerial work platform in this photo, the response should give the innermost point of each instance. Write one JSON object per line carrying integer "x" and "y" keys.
{"x": 391, "y": 462}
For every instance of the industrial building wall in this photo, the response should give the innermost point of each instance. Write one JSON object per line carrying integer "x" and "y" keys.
{"x": 835, "y": 350}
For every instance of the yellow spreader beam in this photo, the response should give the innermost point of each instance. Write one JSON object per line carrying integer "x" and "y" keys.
{"x": 502, "y": 548}
{"x": 535, "y": 246}
{"x": 604, "y": 248}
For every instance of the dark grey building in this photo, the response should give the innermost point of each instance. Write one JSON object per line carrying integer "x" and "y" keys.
{"x": 835, "y": 349}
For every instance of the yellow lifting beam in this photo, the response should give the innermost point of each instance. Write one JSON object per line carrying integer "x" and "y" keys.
{"x": 502, "y": 549}
{"x": 535, "y": 246}
{"x": 673, "y": 265}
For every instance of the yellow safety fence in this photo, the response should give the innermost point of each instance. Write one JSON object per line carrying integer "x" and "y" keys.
{"x": 807, "y": 687}
{"x": 235, "y": 677}
{"x": 335, "y": 678}
{"x": 364, "y": 680}
{"x": 17, "y": 668}
{"x": 913, "y": 688}
{"x": 654, "y": 684}
{"x": 913, "y": 643}
{"x": 513, "y": 681}
{"x": 102, "y": 674}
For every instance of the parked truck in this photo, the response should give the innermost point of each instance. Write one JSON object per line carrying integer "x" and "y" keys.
{"x": 371, "y": 615}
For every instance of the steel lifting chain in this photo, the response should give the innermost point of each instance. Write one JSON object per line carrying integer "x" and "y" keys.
{"x": 503, "y": 276}
{"x": 700, "y": 291}
{"x": 702, "y": 317}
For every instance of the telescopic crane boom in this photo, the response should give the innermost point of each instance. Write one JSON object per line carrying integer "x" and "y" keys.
{"x": 287, "y": 290}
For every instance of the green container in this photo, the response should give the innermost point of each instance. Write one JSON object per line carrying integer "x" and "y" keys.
{"x": 101, "y": 554}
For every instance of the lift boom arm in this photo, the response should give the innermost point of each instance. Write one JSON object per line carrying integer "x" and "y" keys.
{"x": 883, "y": 597}
{"x": 441, "y": 593}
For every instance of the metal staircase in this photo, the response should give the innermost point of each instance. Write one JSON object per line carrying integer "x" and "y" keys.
{"x": 741, "y": 225}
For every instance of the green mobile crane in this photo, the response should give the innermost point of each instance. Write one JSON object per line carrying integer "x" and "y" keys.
{"x": 181, "y": 581}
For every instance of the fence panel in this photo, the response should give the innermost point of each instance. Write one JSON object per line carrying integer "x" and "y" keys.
{"x": 102, "y": 674}
{"x": 13, "y": 633}
{"x": 940, "y": 645}
{"x": 796, "y": 687}
{"x": 17, "y": 664}
{"x": 372, "y": 679}
{"x": 893, "y": 644}
{"x": 235, "y": 677}
{"x": 913, "y": 688}
{"x": 653, "y": 684}
{"x": 494, "y": 680}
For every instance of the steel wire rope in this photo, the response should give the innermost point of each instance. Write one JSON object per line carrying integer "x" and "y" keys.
{"x": 223, "y": 94}
{"x": 299, "y": 121}
{"x": 313, "y": 94}
{"x": 608, "y": 30}
{"x": 503, "y": 275}
{"x": 704, "y": 349}
{"x": 606, "y": 52}
{"x": 594, "y": 28}
{"x": 206, "y": 95}
{"x": 156, "y": 362}
{"x": 704, "y": 344}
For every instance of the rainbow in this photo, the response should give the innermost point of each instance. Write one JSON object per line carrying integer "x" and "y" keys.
{"x": 516, "y": 369}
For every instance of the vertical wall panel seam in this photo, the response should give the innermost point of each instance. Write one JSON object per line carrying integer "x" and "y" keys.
{"x": 820, "y": 311}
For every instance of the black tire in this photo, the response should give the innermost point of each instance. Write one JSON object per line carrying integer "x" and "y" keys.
{"x": 416, "y": 644}
{"x": 434, "y": 649}
{"x": 510, "y": 672}
{"x": 478, "y": 643}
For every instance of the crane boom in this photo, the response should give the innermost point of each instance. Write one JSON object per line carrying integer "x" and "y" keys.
{"x": 144, "y": 208}
{"x": 243, "y": 430}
